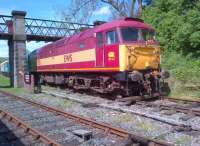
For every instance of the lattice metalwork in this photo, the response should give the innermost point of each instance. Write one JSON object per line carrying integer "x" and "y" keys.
{"x": 39, "y": 29}
{"x": 49, "y": 28}
{"x": 4, "y": 23}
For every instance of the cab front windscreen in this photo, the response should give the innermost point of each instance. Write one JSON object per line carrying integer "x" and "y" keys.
{"x": 131, "y": 34}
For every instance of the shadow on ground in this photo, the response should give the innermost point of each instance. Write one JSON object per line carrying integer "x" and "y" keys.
{"x": 7, "y": 137}
{"x": 6, "y": 86}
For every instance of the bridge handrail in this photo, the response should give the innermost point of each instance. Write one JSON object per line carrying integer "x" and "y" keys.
{"x": 49, "y": 27}
{"x": 6, "y": 16}
{"x": 67, "y": 22}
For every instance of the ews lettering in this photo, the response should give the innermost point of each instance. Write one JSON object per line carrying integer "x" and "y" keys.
{"x": 68, "y": 58}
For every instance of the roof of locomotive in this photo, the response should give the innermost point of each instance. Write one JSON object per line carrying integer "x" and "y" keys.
{"x": 122, "y": 22}
{"x": 125, "y": 21}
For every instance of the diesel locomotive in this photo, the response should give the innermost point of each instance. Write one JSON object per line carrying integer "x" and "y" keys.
{"x": 121, "y": 57}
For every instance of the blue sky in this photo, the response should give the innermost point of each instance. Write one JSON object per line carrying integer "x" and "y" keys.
{"x": 35, "y": 8}
{"x": 44, "y": 9}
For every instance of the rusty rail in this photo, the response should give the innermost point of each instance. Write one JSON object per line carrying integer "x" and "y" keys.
{"x": 181, "y": 109}
{"x": 184, "y": 100}
{"x": 28, "y": 129}
{"x": 108, "y": 129}
{"x": 174, "y": 108}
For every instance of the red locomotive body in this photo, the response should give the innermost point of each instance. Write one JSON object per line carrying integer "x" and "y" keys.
{"x": 112, "y": 57}
{"x": 86, "y": 51}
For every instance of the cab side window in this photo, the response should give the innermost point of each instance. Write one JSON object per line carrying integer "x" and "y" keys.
{"x": 99, "y": 39}
{"x": 81, "y": 45}
{"x": 111, "y": 37}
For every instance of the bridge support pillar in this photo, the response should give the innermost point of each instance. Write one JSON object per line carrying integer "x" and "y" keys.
{"x": 17, "y": 49}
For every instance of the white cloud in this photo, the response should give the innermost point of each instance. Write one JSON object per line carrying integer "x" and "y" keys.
{"x": 102, "y": 11}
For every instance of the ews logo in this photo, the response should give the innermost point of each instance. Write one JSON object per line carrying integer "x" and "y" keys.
{"x": 68, "y": 58}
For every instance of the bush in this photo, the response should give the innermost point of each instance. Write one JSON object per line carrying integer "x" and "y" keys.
{"x": 177, "y": 24}
{"x": 184, "y": 80}
{"x": 183, "y": 68}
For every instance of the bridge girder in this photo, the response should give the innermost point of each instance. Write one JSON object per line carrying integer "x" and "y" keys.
{"x": 40, "y": 29}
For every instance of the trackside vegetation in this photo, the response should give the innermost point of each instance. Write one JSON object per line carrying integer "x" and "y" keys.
{"x": 185, "y": 74}
{"x": 177, "y": 24}
{"x": 5, "y": 86}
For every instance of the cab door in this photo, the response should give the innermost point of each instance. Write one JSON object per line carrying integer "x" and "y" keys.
{"x": 99, "y": 50}
{"x": 111, "y": 49}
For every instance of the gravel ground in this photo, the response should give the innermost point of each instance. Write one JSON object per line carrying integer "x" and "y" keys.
{"x": 123, "y": 118}
{"x": 57, "y": 127}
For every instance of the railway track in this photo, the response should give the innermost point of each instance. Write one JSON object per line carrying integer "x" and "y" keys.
{"x": 191, "y": 109}
{"x": 16, "y": 132}
{"x": 65, "y": 128}
{"x": 183, "y": 100}
{"x": 173, "y": 108}
{"x": 162, "y": 106}
{"x": 158, "y": 107}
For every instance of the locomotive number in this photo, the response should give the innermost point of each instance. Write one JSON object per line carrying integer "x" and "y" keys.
{"x": 68, "y": 58}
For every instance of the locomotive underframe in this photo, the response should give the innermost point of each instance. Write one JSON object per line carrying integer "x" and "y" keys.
{"x": 135, "y": 83}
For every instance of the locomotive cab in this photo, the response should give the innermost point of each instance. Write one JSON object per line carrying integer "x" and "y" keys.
{"x": 139, "y": 48}
{"x": 140, "y": 56}
{"x": 130, "y": 44}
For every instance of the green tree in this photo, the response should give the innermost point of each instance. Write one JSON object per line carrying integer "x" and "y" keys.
{"x": 177, "y": 24}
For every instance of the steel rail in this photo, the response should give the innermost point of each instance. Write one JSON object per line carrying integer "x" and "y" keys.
{"x": 185, "y": 100}
{"x": 180, "y": 109}
{"x": 172, "y": 107}
{"x": 108, "y": 129}
{"x": 27, "y": 129}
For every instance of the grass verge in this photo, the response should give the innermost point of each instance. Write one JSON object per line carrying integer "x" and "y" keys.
{"x": 5, "y": 86}
{"x": 185, "y": 74}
